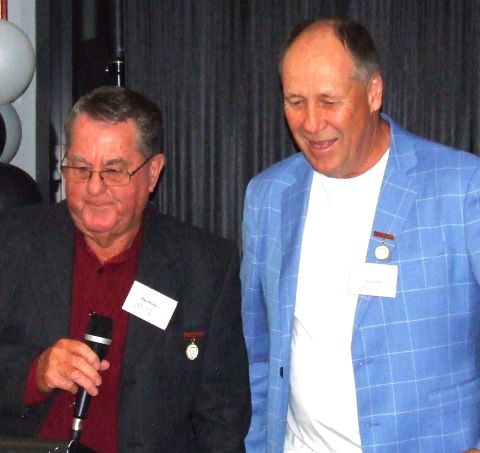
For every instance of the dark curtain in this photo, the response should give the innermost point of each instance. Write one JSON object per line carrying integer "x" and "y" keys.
{"x": 211, "y": 65}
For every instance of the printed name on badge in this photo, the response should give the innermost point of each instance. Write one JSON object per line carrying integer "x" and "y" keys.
{"x": 149, "y": 305}
{"x": 371, "y": 279}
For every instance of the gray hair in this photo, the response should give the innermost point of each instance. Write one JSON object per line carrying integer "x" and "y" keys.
{"x": 114, "y": 104}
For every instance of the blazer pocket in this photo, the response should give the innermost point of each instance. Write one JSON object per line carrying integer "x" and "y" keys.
{"x": 465, "y": 392}
{"x": 453, "y": 410}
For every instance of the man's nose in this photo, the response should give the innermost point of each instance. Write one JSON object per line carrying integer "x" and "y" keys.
{"x": 95, "y": 183}
{"x": 315, "y": 119}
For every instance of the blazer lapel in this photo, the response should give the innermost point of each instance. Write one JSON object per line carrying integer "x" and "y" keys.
{"x": 158, "y": 268}
{"x": 52, "y": 285}
{"x": 397, "y": 195}
{"x": 293, "y": 213}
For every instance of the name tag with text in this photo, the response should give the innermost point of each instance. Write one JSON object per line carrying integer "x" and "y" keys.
{"x": 372, "y": 279}
{"x": 149, "y": 305}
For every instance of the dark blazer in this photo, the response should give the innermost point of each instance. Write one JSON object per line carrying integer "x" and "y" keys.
{"x": 167, "y": 403}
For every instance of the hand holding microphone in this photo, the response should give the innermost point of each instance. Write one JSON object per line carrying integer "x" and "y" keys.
{"x": 99, "y": 338}
{"x": 68, "y": 365}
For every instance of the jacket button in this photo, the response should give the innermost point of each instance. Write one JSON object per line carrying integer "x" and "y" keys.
{"x": 281, "y": 371}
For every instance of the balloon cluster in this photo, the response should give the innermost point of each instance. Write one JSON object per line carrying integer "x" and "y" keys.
{"x": 17, "y": 65}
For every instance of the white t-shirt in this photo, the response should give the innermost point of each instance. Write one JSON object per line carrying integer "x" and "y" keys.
{"x": 322, "y": 414}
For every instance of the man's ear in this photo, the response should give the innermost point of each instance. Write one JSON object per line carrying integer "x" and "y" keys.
{"x": 156, "y": 166}
{"x": 375, "y": 92}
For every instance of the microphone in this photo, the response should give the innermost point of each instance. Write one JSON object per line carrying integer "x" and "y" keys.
{"x": 99, "y": 338}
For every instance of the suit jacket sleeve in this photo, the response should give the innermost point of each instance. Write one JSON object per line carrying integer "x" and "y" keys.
{"x": 472, "y": 223}
{"x": 16, "y": 353}
{"x": 221, "y": 412}
{"x": 472, "y": 227}
{"x": 26, "y": 298}
{"x": 255, "y": 323}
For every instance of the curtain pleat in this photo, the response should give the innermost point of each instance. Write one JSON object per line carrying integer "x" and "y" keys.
{"x": 212, "y": 67}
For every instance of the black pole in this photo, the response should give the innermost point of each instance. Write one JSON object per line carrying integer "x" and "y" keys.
{"x": 116, "y": 65}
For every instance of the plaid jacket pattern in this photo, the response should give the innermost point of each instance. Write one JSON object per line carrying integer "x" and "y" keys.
{"x": 414, "y": 356}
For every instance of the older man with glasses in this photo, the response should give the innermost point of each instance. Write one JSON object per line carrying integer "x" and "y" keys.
{"x": 175, "y": 376}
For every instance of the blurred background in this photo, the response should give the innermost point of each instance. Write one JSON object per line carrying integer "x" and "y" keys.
{"x": 211, "y": 65}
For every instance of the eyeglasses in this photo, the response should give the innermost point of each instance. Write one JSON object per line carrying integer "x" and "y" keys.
{"x": 109, "y": 177}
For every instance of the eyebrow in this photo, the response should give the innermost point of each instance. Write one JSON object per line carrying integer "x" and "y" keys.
{"x": 322, "y": 96}
{"x": 115, "y": 161}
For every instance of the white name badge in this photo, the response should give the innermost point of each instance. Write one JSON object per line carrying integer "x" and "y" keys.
{"x": 149, "y": 305}
{"x": 371, "y": 279}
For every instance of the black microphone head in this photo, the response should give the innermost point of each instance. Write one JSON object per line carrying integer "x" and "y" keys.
{"x": 99, "y": 334}
{"x": 100, "y": 326}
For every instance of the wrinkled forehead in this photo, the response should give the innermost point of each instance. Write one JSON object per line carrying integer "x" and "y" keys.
{"x": 100, "y": 140}
{"x": 317, "y": 46}
{"x": 317, "y": 53}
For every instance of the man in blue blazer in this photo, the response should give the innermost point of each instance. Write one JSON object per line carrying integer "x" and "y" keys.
{"x": 361, "y": 269}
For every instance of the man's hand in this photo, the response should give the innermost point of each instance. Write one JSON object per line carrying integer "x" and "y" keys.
{"x": 472, "y": 450}
{"x": 68, "y": 365}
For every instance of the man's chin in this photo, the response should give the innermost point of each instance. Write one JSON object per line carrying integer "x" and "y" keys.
{"x": 96, "y": 226}
{"x": 98, "y": 219}
{"x": 323, "y": 166}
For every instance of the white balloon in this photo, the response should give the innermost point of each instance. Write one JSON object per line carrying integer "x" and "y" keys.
{"x": 13, "y": 128}
{"x": 17, "y": 62}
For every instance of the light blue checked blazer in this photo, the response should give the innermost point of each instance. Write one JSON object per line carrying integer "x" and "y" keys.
{"x": 415, "y": 357}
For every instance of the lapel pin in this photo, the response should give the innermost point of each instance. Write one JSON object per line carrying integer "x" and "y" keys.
{"x": 192, "y": 349}
{"x": 382, "y": 251}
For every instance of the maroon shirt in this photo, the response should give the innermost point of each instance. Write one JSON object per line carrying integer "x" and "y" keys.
{"x": 101, "y": 288}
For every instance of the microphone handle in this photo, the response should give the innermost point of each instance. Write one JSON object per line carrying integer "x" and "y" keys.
{"x": 99, "y": 338}
{"x": 83, "y": 398}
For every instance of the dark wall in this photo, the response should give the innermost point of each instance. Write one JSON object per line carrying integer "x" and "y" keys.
{"x": 212, "y": 67}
